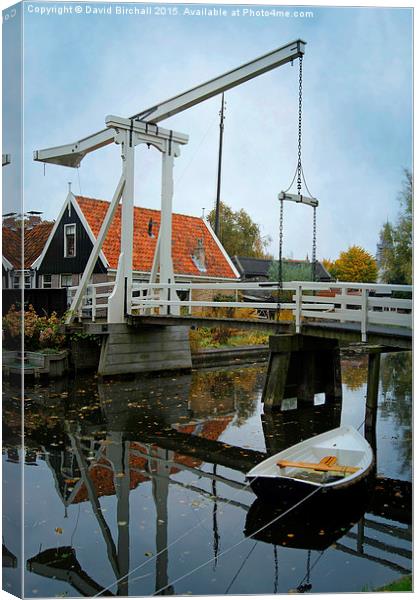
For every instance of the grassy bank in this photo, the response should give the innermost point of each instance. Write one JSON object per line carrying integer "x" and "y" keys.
{"x": 205, "y": 338}
{"x": 400, "y": 585}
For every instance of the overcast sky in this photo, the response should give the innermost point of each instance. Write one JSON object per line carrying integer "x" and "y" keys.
{"x": 357, "y": 125}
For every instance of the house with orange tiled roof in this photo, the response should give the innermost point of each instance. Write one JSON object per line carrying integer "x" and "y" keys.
{"x": 17, "y": 271}
{"x": 196, "y": 251}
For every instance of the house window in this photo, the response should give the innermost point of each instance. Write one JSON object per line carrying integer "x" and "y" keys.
{"x": 69, "y": 240}
{"x": 23, "y": 278}
{"x": 66, "y": 280}
{"x": 46, "y": 281}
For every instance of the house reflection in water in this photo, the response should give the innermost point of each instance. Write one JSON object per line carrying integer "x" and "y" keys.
{"x": 100, "y": 460}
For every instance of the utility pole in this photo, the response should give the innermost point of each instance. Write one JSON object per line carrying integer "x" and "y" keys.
{"x": 220, "y": 156}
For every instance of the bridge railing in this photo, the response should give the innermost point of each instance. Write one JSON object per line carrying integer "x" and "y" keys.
{"x": 345, "y": 302}
{"x": 95, "y": 301}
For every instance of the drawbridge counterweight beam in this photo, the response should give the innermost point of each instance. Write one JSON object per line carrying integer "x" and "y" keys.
{"x": 71, "y": 155}
{"x": 298, "y": 198}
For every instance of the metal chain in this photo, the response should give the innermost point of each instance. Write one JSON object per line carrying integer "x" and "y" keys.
{"x": 281, "y": 238}
{"x": 300, "y": 123}
{"x": 314, "y": 252}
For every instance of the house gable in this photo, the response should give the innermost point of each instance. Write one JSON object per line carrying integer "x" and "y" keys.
{"x": 52, "y": 260}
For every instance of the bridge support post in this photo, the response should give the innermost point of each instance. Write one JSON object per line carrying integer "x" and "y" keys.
{"x": 300, "y": 367}
{"x": 129, "y": 351}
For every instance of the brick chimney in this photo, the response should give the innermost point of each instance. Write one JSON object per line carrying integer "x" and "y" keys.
{"x": 32, "y": 220}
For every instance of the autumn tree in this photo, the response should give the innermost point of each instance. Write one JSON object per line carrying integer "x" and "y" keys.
{"x": 355, "y": 264}
{"x": 238, "y": 233}
{"x": 329, "y": 265}
{"x": 395, "y": 243}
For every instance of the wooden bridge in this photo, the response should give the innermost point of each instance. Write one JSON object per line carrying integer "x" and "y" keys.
{"x": 321, "y": 318}
{"x": 350, "y": 311}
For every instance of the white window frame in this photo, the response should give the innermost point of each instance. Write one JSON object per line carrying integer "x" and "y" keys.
{"x": 66, "y": 275}
{"x": 67, "y": 226}
{"x": 47, "y": 287}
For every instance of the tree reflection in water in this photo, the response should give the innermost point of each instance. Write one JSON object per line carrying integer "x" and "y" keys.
{"x": 396, "y": 403}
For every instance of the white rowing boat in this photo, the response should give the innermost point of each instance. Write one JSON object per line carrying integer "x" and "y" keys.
{"x": 332, "y": 460}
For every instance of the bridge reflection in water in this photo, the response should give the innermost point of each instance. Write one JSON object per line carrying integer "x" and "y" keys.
{"x": 128, "y": 438}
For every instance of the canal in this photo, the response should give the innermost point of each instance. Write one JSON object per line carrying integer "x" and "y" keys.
{"x": 137, "y": 487}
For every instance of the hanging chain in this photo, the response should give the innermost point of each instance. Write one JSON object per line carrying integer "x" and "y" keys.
{"x": 313, "y": 256}
{"x": 300, "y": 125}
{"x": 281, "y": 237}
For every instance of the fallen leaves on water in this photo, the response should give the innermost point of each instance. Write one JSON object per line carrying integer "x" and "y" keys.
{"x": 58, "y": 530}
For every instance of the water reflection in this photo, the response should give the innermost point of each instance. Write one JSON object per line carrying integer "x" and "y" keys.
{"x": 132, "y": 484}
{"x": 314, "y": 525}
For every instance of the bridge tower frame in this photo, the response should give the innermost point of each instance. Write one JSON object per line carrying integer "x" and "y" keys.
{"x": 129, "y": 134}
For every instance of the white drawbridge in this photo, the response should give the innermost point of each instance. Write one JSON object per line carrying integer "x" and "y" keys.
{"x": 142, "y": 128}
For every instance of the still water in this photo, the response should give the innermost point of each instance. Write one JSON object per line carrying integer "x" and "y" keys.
{"x": 138, "y": 487}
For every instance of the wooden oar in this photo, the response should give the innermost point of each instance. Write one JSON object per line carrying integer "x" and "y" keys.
{"x": 326, "y": 464}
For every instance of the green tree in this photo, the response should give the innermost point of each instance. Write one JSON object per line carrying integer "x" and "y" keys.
{"x": 395, "y": 243}
{"x": 355, "y": 264}
{"x": 238, "y": 233}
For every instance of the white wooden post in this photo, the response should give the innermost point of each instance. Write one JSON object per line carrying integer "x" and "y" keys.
{"x": 343, "y": 305}
{"x": 364, "y": 314}
{"x": 116, "y": 299}
{"x": 93, "y": 303}
{"x": 127, "y": 221}
{"x": 165, "y": 234}
{"x": 298, "y": 296}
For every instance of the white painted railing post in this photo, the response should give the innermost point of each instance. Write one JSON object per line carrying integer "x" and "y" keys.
{"x": 343, "y": 306}
{"x": 93, "y": 303}
{"x": 298, "y": 307}
{"x": 364, "y": 314}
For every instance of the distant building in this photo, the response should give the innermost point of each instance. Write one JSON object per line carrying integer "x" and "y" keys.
{"x": 18, "y": 259}
{"x": 257, "y": 269}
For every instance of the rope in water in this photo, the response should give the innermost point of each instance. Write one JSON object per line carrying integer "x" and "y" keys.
{"x": 182, "y": 536}
{"x": 175, "y": 541}
{"x": 209, "y": 561}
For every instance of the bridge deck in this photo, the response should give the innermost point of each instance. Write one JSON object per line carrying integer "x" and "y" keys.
{"x": 347, "y": 333}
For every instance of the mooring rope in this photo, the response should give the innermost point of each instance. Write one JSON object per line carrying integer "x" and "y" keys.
{"x": 241, "y": 567}
{"x": 183, "y": 535}
{"x": 209, "y": 561}
{"x": 175, "y": 541}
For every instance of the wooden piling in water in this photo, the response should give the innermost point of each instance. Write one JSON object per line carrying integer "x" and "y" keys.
{"x": 303, "y": 366}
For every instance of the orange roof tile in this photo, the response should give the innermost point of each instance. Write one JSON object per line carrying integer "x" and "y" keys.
{"x": 12, "y": 246}
{"x": 35, "y": 240}
{"x": 186, "y": 232}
